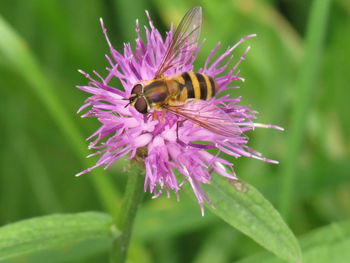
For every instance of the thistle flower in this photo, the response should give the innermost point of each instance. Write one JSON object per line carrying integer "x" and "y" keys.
{"x": 169, "y": 147}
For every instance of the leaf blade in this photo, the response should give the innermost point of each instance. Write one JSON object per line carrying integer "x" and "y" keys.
{"x": 249, "y": 212}
{"x": 326, "y": 244}
{"x": 17, "y": 55}
{"x": 52, "y": 231}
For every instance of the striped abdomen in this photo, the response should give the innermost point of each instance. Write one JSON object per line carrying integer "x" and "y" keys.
{"x": 195, "y": 86}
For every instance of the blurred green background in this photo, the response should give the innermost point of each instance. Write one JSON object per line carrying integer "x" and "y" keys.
{"x": 43, "y": 139}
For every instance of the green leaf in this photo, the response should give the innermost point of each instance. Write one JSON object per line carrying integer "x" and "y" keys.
{"x": 18, "y": 56}
{"x": 252, "y": 214}
{"x": 53, "y": 231}
{"x": 327, "y": 244}
{"x": 84, "y": 251}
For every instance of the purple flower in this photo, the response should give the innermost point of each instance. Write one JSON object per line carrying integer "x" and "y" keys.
{"x": 169, "y": 140}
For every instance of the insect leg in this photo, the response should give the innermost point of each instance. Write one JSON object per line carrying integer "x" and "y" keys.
{"x": 178, "y": 123}
{"x": 196, "y": 145}
{"x": 162, "y": 117}
{"x": 155, "y": 116}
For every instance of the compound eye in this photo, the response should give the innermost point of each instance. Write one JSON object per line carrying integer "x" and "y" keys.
{"x": 141, "y": 105}
{"x": 136, "y": 90}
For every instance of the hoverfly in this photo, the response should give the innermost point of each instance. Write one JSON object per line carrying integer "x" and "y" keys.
{"x": 183, "y": 94}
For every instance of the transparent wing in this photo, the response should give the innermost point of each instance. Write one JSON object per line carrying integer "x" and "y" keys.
{"x": 208, "y": 116}
{"x": 184, "y": 41}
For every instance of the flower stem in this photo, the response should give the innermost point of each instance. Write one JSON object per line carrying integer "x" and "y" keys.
{"x": 132, "y": 198}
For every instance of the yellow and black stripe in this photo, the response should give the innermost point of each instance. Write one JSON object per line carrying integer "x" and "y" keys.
{"x": 196, "y": 86}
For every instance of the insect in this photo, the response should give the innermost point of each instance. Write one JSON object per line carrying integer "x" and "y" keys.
{"x": 183, "y": 94}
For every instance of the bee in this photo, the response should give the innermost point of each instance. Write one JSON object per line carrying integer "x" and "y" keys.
{"x": 182, "y": 93}
{"x": 164, "y": 92}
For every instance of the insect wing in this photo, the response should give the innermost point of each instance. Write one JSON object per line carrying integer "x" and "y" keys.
{"x": 208, "y": 116}
{"x": 184, "y": 42}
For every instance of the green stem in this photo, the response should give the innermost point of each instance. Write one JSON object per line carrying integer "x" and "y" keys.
{"x": 305, "y": 83}
{"x": 132, "y": 198}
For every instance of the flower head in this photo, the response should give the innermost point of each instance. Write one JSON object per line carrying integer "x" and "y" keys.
{"x": 171, "y": 141}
